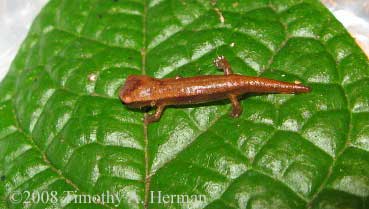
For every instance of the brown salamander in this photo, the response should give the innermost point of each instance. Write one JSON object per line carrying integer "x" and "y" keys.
{"x": 141, "y": 90}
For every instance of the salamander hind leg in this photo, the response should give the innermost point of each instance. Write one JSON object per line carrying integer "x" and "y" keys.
{"x": 155, "y": 116}
{"x": 222, "y": 64}
{"x": 236, "y": 106}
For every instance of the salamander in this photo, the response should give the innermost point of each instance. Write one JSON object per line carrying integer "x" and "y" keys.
{"x": 142, "y": 90}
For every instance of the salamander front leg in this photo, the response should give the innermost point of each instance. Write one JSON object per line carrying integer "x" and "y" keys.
{"x": 236, "y": 106}
{"x": 222, "y": 64}
{"x": 155, "y": 116}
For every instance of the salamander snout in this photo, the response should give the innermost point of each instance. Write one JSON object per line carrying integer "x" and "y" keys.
{"x": 126, "y": 99}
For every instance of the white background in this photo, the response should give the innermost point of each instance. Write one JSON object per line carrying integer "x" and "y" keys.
{"x": 16, "y": 17}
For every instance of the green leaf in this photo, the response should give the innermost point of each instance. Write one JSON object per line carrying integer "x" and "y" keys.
{"x": 63, "y": 128}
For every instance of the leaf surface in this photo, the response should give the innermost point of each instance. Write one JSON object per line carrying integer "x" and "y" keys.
{"x": 63, "y": 128}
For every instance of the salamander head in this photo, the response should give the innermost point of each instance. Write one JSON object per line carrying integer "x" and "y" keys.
{"x": 136, "y": 91}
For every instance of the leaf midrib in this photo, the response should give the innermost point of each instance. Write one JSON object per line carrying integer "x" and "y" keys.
{"x": 146, "y": 141}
